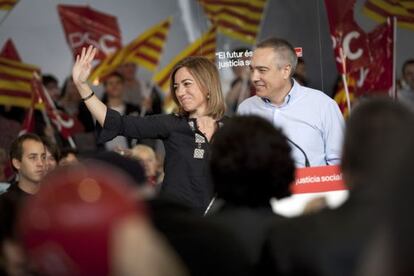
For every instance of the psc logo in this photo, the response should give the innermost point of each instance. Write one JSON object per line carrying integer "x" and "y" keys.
{"x": 106, "y": 43}
{"x": 346, "y": 46}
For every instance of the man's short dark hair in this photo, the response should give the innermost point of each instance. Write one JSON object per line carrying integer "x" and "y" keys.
{"x": 46, "y": 79}
{"x": 16, "y": 148}
{"x": 406, "y": 63}
{"x": 251, "y": 162}
{"x": 66, "y": 151}
{"x": 113, "y": 74}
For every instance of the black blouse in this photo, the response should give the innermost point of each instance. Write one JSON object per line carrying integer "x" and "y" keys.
{"x": 187, "y": 176}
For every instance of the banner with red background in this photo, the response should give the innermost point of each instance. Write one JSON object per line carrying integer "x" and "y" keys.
{"x": 85, "y": 26}
{"x": 369, "y": 56}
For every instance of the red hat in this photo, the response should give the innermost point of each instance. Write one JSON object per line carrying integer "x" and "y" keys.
{"x": 66, "y": 227}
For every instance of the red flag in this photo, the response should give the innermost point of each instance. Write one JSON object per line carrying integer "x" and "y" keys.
{"x": 381, "y": 44}
{"x": 85, "y": 26}
{"x": 65, "y": 124}
{"x": 9, "y": 51}
{"x": 368, "y": 56}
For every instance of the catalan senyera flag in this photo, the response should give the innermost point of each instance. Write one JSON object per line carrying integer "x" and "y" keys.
{"x": 6, "y": 5}
{"x": 239, "y": 19}
{"x": 379, "y": 10}
{"x": 204, "y": 46}
{"x": 340, "y": 95}
{"x": 9, "y": 52}
{"x": 145, "y": 50}
{"x": 15, "y": 83}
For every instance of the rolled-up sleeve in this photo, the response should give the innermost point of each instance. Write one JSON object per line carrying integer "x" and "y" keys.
{"x": 155, "y": 126}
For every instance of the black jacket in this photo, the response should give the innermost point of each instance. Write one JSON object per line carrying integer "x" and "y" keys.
{"x": 187, "y": 177}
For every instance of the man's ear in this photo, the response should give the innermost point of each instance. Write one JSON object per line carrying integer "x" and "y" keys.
{"x": 16, "y": 163}
{"x": 287, "y": 69}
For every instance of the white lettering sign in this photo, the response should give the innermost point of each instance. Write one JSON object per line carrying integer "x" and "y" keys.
{"x": 78, "y": 39}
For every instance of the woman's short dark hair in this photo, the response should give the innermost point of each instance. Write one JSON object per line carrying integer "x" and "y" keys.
{"x": 251, "y": 162}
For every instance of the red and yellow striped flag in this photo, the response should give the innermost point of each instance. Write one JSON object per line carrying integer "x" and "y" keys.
{"x": 145, "y": 50}
{"x": 239, "y": 19}
{"x": 6, "y": 5}
{"x": 204, "y": 46}
{"x": 379, "y": 10}
{"x": 15, "y": 83}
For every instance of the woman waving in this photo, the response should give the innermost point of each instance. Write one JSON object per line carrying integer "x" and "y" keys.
{"x": 195, "y": 88}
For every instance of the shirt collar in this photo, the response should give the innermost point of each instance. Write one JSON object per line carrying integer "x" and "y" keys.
{"x": 291, "y": 96}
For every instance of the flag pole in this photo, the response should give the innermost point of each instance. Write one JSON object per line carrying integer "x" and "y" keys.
{"x": 28, "y": 119}
{"x": 36, "y": 77}
{"x": 40, "y": 101}
{"x": 394, "y": 55}
{"x": 3, "y": 19}
{"x": 344, "y": 80}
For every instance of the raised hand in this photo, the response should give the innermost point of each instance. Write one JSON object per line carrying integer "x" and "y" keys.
{"x": 83, "y": 65}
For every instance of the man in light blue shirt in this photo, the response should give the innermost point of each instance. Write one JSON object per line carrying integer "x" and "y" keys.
{"x": 311, "y": 120}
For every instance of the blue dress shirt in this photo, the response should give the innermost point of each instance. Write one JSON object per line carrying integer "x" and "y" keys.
{"x": 309, "y": 118}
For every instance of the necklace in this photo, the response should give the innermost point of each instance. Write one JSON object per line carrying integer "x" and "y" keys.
{"x": 199, "y": 140}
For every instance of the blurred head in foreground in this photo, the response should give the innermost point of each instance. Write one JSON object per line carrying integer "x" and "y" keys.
{"x": 375, "y": 135}
{"x": 86, "y": 221}
{"x": 251, "y": 162}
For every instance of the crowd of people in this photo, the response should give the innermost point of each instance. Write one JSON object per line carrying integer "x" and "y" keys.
{"x": 115, "y": 205}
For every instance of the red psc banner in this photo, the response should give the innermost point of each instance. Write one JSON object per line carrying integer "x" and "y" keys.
{"x": 84, "y": 26}
{"x": 369, "y": 56}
